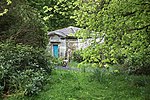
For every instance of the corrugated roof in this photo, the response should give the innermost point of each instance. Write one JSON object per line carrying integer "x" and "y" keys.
{"x": 65, "y": 31}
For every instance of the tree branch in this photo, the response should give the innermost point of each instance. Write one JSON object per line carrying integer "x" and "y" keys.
{"x": 139, "y": 28}
{"x": 128, "y": 13}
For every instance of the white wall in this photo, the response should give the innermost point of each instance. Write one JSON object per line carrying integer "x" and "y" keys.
{"x": 62, "y": 48}
{"x": 84, "y": 44}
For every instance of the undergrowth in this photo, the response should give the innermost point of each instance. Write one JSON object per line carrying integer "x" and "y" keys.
{"x": 78, "y": 85}
{"x": 23, "y": 69}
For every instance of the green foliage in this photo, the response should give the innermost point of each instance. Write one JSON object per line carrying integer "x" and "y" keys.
{"x": 73, "y": 64}
{"x": 103, "y": 74}
{"x": 5, "y": 10}
{"x": 125, "y": 26}
{"x": 76, "y": 56}
{"x": 22, "y": 69}
{"x": 57, "y": 61}
{"x": 74, "y": 85}
{"x": 22, "y": 24}
{"x": 56, "y": 13}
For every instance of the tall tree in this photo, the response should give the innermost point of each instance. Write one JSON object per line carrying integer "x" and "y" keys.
{"x": 126, "y": 27}
{"x": 22, "y": 24}
{"x": 56, "y": 13}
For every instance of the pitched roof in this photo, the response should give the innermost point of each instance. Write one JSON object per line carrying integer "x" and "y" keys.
{"x": 65, "y": 31}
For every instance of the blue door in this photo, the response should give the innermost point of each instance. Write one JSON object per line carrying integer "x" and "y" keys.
{"x": 55, "y": 51}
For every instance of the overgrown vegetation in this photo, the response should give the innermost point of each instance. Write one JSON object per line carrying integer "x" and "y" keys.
{"x": 55, "y": 13}
{"x": 22, "y": 24}
{"x": 23, "y": 69}
{"x": 77, "y": 56}
{"x": 3, "y": 9}
{"x": 24, "y": 64}
{"x": 74, "y": 85}
{"x": 124, "y": 25}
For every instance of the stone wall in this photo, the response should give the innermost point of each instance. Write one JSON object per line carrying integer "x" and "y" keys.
{"x": 67, "y": 46}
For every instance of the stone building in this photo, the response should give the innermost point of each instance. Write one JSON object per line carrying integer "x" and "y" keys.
{"x": 62, "y": 44}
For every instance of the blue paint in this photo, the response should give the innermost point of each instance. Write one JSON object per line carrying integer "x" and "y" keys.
{"x": 55, "y": 51}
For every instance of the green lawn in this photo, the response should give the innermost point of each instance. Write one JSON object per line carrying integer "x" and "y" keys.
{"x": 75, "y": 85}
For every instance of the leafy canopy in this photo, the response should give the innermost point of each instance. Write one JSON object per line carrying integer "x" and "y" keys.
{"x": 56, "y": 13}
{"x": 22, "y": 24}
{"x": 126, "y": 27}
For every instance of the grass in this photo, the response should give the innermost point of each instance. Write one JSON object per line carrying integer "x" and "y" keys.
{"x": 74, "y": 85}
{"x": 73, "y": 64}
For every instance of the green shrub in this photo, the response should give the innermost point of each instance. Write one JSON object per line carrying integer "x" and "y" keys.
{"x": 102, "y": 74}
{"x": 22, "y": 69}
{"x": 77, "y": 56}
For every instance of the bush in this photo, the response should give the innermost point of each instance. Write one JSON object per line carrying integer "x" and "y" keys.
{"x": 77, "y": 56}
{"x": 103, "y": 74}
{"x": 22, "y": 69}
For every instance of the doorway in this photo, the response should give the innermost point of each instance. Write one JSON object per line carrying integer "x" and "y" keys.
{"x": 55, "y": 50}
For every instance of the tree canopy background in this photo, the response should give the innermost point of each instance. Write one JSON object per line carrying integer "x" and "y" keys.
{"x": 27, "y": 21}
{"x": 125, "y": 25}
